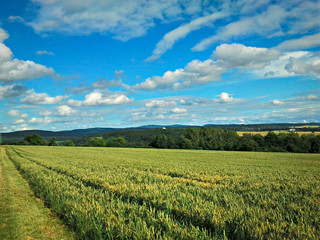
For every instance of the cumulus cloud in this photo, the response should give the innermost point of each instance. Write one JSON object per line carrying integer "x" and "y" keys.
{"x": 34, "y": 98}
{"x": 18, "y": 121}
{"x": 14, "y": 113}
{"x": 10, "y": 91}
{"x": 308, "y": 66}
{"x": 65, "y": 110}
{"x": 226, "y": 57}
{"x": 124, "y": 19}
{"x": 97, "y": 98}
{"x": 44, "y": 52}
{"x": 17, "y": 113}
{"x": 277, "y": 102}
{"x": 179, "y": 110}
{"x": 12, "y": 69}
{"x": 277, "y": 67}
{"x": 45, "y": 120}
{"x": 225, "y": 97}
{"x": 160, "y": 103}
{"x": 311, "y": 97}
{"x": 196, "y": 72}
{"x": 237, "y": 55}
{"x": 24, "y": 115}
{"x": 3, "y": 35}
{"x": 173, "y": 36}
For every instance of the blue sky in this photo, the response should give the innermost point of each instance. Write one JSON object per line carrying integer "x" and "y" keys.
{"x": 94, "y": 63}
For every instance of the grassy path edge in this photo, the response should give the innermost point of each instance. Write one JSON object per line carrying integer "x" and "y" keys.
{"x": 22, "y": 215}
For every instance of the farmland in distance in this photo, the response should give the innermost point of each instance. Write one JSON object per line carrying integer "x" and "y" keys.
{"x": 111, "y": 193}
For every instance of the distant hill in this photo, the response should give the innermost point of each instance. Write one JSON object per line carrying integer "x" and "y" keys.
{"x": 143, "y": 134}
{"x": 60, "y": 135}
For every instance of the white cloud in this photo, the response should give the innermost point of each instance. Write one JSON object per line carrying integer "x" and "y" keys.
{"x": 301, "y": 67}
{"x": 281, "y": 17}
{"x": 305, "y": 42}
{"x": 10, "y": 91}
{"x": 34, "y": 98}
{"x": 24, "y": 115}
{"x": 45, "y": 120}
{"x": 160, "y": 103}
{"x": 124, "y": 19}
{"x": 237, "y": 55}
{"x": 118, "y": 74}
{"x": 277, "y": 102}
{"x": 74, "y": 103}
{"x": 173, "y": 36}
{"x": 161, "y": 116}
{"x": 179, "y": 110}
{"x": 196, "y": 72}
{"x": 14, "y": 113}
{"x": 45, "y": 113}
{"x": 152, "y": 58}
{"x": 17, "y": 113}
{"x": 97, "y": 98}
{"x": 16, "y": 19}
{"x": 65, "y": 110}
{"x": 227, "y": 57}
{"x": 225, "y": 97}
{"x": 21, "y": 127}
{"x": 12, "y": 69}
{"x": 45, "y": 53}
{"x": 267, "y": 23}
{"x": 3, "y": 35}
{"x": 277, "y": 68}
{"x": 18, "y": 121}
{"x": 311, "y": 97}
{"x": 303, "y": 17}
{"x": 99, "y": 84}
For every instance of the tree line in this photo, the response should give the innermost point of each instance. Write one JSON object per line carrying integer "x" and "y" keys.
{"x": 206, "y": 138}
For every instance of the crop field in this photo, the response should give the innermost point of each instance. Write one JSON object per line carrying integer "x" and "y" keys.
{"x": 118, "y": 193}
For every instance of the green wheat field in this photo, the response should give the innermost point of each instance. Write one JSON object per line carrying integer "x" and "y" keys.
{"x": 122, "y": 193}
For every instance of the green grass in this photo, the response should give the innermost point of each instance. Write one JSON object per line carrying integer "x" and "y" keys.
{"x": 111, "y": 193}
{"x": 22, "y": 216}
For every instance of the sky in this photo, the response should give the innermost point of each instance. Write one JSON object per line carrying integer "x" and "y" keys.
{"x": 103, "y": 63}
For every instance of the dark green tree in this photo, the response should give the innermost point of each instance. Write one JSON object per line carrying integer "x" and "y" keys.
{"x": 247, "y": 143}
{"x": 193, "y": 135}
{"x": 315, "y": 144}
{"x": 34, "y": 139}
{"x": 271, "y": 139}
{"x": 53, "y": 142}
{"x": 97, "y": 142}
{"x": 159, "y": 141}
{"x": 259, "y": 139}
{"x": 69, "y": 143}
{"x": 119, "y": 142}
